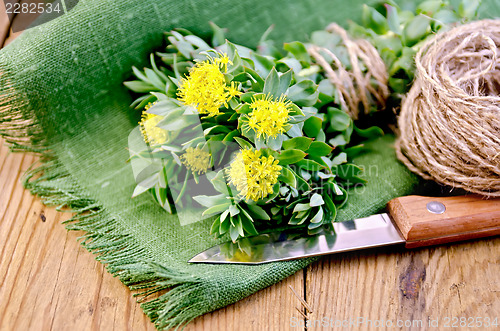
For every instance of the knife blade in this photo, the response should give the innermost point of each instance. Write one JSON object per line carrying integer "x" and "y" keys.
{"x": 412, "y": 221}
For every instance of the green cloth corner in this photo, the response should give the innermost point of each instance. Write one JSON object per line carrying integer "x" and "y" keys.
{"x": 61, "y": 86}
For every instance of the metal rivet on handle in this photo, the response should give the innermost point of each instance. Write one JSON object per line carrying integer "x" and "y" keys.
{"x": 436, "y": 207}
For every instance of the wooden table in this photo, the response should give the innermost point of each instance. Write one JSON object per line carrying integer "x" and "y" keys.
{"x": 49, "y": 282}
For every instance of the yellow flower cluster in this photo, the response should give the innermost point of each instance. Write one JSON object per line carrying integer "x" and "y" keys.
{"x": 152, "y": 134}
{"x": 254, "y": 175}
{"x": 268, "y": 117}
{"x": 205, "y": 88}
{"x": 196, "y": 159}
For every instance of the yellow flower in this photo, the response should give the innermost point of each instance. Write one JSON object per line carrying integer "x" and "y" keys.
{"x": 254, "y": 175}
{"x": 205, "y": 87}
{"x": 268, "y": 117}
{"x": 152, "y": 134}
{"x": 196, "y": 159}
{"x": 232, "y": 91}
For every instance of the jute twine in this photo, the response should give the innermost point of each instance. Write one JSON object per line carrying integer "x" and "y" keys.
{"x": 450, "y": 120}
{"x": 362, "y": 85}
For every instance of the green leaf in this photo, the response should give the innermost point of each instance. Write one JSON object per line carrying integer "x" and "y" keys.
{"x": 276, "y": 191}
{"x": 217, "y": 209}
{"x": 404, "y": 63}
{"x": 216, "y": 129}
{"x": 224, "y": 215}
{"x": 296, "y": 220}
{"x": 291, "y": 63}
{"x": 247, "y": 97}
{"x": 331, "y": 187}
{"x": 231, "y": 135}
{"x": 197, "y": 42}
{"x": 140, "y": 75}
{"x": 263, "y": 64}
{"x": 179, "y": 123}
{"x": 155, "y": 80}
{"x": 272, "y": 83}
{"x": 318, "y": 217}
{"x": 393, "y": 19}
{"x": 290, "y": 156}
{"x": 299, "y": 51}
{"x": 301, "y": 143}
{"x": 468, "y": 8}
{"x": 445, "y": 16}
{"x": 312, "y": 126}
{"x": 301, "y": 207}
{"x": 369, "y": 133}
{"x": 302, "y": 184}
{"x": 313, "y": 226}
{"x": 218, "y": 37}
{"x": 416, "y": 30}
{"x": 310, "y": 165}
{"x": 374, "y": 20}
{"x": 248, "y": 226}
{"x": 209, "y": 201}
{"x": 257, "y": 212}
{"x": 165, "y": 107}
{"x": 339, "y": 159}
{"x": 288, "y": 177}
{"x": 139, "y": 86}
{"x": 350, "y": 172}
{"x": 215, "y": 227}
{"x": 319, "y": 149}
{"x": 296, "y": 111}
{"x": 139, "y": 189}
{"x": 339, "y": 120}
{"x": 284, "y": 84}
{"x": 242, "y": 142}
{"x": 224, "y": 225}
{"x": 246, "y": 130}
{"x": 316, "y": 200}
{"x": 430, "y": 7}
{"x": 258, "y": 84}
{"x": 219, "y": 183}
{"x": 296, "y": 130}
{"x": 275, "y": 143}
{"x": 142, "y": 101}
{"x": 233, "y": 232}
{"x": 304, "y": 93}
{"x": 233, "y": 210}
{"x": 331, "y": 210}
{"x": 239, "y": 226}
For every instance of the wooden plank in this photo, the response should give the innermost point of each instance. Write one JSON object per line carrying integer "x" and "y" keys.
{"x": 20, "y": 22}
{"x": 5, "y": 20}
{"x": 392, "y": 284}
{"x": 49, "y": 282}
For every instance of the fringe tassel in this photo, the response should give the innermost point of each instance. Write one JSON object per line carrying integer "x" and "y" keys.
{"x": 123, "y": 257}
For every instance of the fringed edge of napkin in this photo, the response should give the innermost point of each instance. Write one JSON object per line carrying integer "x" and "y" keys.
{"x": 124, "y": 258}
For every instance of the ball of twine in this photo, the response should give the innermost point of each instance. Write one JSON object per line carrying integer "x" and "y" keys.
{"x": 361, "y": 85}
{"x": 450, "y": 120}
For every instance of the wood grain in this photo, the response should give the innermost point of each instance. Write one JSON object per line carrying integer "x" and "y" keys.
{"x": 464, "y": 217}
{"x": 49, "y": 282}
{"x": 408, "y": 286}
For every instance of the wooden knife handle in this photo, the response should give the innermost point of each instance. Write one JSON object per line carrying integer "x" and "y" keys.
{"x": 423, "y": 222}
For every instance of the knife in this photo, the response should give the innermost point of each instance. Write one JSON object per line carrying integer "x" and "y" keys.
{"x": 413, "y": 221}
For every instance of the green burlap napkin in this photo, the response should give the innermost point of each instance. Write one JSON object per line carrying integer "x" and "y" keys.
{"x": 62, "y": 97}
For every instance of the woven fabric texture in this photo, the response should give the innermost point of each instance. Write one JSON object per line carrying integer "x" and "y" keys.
{"x": 61, "y": 96}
